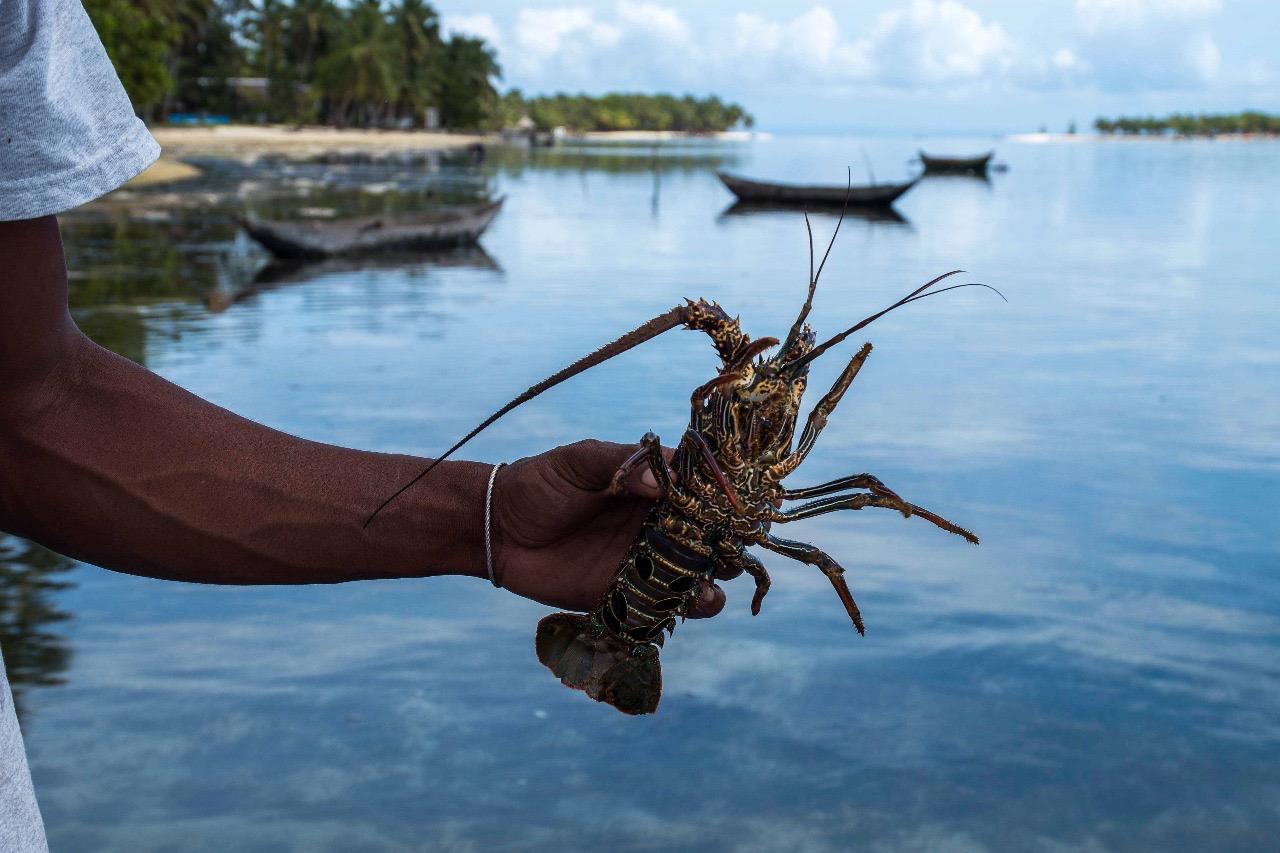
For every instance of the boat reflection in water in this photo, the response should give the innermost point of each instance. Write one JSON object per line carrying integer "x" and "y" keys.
{"x": 281, "y": 273}
{"x": 884, "y": 215}
{"x": 435, "y": 228}
{"x": 30, "y": 580}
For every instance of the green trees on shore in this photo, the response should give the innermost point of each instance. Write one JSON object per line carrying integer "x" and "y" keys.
{"x": 362, "y": 63}
{"x": 616, "y": 111}
{"x": 1184, "y": 124}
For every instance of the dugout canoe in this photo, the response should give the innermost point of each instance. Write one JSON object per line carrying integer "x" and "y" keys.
{"x": 442, "y": 228}
{"x": 956, "y": 165}
{"x": 864, "y": 195}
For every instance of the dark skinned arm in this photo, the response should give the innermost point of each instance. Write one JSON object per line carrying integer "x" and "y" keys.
{"x": 104, "y": 461}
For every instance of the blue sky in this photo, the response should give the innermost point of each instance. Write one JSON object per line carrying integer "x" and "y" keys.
{"x": 898, "y": 65}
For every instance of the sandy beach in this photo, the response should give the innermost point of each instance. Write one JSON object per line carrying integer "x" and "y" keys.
{"x": 661, "y": 135}
{"x": 164, "y": 171}
{"x": 249, "y": 140}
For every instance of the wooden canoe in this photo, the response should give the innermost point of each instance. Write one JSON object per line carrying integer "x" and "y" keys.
{"x": 865, "y": 195}
{"x": 320, "y": 238}
{"x": 956, "y": 165}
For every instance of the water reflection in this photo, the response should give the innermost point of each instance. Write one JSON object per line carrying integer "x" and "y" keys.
{"x": 1101, "y": 674}
{"x": 276, "y": 273}
{"x": 35, "y": 653}
{"x": 976, "y": 178}
{"x": 885, "y": 215}
{"x": 615, "y": 159}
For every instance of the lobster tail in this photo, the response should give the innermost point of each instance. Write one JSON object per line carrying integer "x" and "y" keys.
{"x": 612, "y": 654}
{"x": 600, "y": 664}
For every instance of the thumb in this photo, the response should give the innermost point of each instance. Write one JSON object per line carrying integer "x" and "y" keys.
{"x": 591, "y": 465}
{"x": 641, "y": 482}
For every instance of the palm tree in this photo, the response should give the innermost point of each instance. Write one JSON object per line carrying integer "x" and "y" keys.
{"x": 312, "y": 30}
{"x": 417, "y": 36}
{"x": 264, "y": 26}
{"x": 138, "y": 40}
{"x": 467, "y": 69}
{"x": 359, "y": 77}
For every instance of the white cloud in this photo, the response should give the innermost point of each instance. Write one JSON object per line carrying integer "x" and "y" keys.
{"x": 942, "y": 46}
{"x": 925, "y": 42}
{"x": 1258, "y": 72}
{"x": 1204, "y": 56}
{"x": 662, "y": 22}
{"x": 546, "y": 33}
{"x": 1148, "y": 44}
{"x": 1065, "y": 59}
{"x": 1107, "y": 15}
{"x": 483, "y": 26}
{"x": 938, "y": 41}
{"x": 806, "y": 48}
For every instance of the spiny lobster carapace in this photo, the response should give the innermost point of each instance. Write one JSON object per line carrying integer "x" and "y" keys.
{"x": 722, "y": 492}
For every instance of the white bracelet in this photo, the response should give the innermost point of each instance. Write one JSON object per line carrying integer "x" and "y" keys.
{"x": 488, "y": 525}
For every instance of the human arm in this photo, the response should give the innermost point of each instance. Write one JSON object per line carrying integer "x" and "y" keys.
{"x": 109, "y": 463}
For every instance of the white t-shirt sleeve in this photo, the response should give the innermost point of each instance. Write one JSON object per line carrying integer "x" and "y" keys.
{"x": 68, "y": 133}
{"x": 21, "y": 829}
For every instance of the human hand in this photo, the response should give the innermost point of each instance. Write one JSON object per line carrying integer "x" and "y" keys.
{"x": 558, "y": 533}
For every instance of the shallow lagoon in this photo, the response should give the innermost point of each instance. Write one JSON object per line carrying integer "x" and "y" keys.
{"x": 1102, "y": 673}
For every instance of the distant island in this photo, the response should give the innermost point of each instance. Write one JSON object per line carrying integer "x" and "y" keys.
{"x": 1249, "y": 122}
{"x": 624, "y": 111}
{"x": 357, "y": 64}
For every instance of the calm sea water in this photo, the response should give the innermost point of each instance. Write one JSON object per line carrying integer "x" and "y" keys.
{"x": 1103, "y": 673}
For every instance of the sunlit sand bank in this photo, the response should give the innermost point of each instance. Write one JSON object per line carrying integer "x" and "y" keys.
{"x": 248, "y": 140}
{"x": 661, "y": 135}
{"x": 163, "y": 171}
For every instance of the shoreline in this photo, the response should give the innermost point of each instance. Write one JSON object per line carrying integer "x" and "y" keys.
{"x": 1046, "y": 138}
{"x": 664, "y": 135}
{"x": 247, "y": 140}
{"x": 239, "y": 140}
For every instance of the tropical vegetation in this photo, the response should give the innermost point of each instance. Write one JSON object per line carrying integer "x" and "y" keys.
{"x": 360, "y": 63}
{"x": 617, "y": 111}
{"x": 1185, "y": 124}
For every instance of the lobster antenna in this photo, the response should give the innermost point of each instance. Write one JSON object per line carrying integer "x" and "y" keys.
{"x": 808, "y": 226}
{"x": 914, "y": 298}
{"x": 819, "y": 350}
{"x": 794, "y": 334}
{"x": 848, "y": 191}
{"x": 637, "y": 336}
{"x": 957, "y": 287}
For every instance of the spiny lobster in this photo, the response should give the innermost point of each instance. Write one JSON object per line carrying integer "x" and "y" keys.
{"x": 722, "y": 491}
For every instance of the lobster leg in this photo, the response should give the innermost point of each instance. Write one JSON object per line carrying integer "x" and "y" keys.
{"x": 661, "y": 470}
{"x": 651, "y": 452}
{"x": 624, "y": 470}
{"x": 856, "y": 481}
{"x": 815, "y": 556}
{"x": 817, "y": 419}
{"x": 745, "y": 560}
{"x": 826, "y": 505}
{"x": 760, "y": 575}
